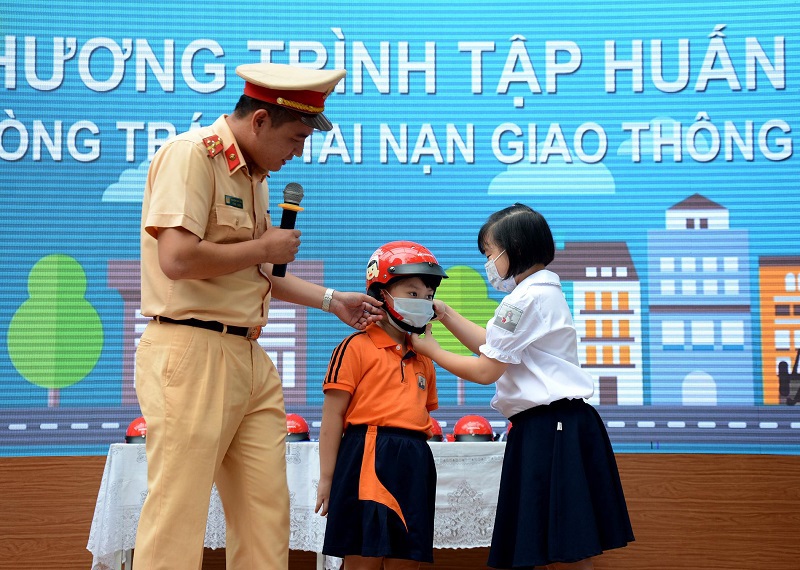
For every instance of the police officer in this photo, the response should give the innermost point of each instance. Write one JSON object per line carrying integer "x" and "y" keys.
{"x": 210, "y": 395}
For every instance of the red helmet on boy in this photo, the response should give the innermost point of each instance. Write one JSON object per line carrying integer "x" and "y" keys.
{"x": 296, "y": 428}
{"x": 473, "y": 428}
{"x": 398, "y": 259}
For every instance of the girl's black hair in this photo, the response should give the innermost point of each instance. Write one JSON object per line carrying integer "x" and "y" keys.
{"x": 523, "y": 233}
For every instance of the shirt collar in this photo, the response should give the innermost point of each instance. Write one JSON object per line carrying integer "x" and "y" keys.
{"x": 543, "y": 277}
{"x": 221, "y": 128}
{"x": 381, "y": 338}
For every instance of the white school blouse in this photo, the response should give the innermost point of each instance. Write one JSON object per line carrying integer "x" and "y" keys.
{"x": 532, "y": 330}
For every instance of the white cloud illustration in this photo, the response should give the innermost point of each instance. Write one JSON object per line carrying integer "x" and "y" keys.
{"x": 553, "y": 177}
{"x": 130, "y": 186}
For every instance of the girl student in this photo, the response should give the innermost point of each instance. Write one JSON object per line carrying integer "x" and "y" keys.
{"x": 560, "y": 501}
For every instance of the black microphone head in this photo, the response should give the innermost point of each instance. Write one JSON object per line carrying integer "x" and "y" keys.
{"x": 293, "y": 193}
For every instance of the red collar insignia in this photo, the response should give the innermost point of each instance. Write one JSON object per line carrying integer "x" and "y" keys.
{"x": 232, "y": 157}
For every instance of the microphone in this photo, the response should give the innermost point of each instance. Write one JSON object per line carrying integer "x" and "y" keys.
{"x": 292, "y": 195}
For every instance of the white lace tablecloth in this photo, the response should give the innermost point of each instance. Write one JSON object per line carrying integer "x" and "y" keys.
{"x": 466, "y": 498}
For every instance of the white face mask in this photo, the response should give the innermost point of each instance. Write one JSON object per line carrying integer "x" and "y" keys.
{"x": 415, "y": 314}
{"x": 505, "y": 285}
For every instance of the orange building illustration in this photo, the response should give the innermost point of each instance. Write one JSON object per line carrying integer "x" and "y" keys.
{"x": 607, "y": 310}
{"x": 779, "y": 291}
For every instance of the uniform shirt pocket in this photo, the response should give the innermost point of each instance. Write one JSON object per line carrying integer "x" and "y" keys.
{"x": 229, "y": 224}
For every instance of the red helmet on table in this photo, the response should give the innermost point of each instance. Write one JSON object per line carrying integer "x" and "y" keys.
{"x": 296, "y": 428}
{"x": 473, "y": 428}
{"x": 137, "y": 431}
{"x": 437, "y": 431}
{"x": 504, "y": 436}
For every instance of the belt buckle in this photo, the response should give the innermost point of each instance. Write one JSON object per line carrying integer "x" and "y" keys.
{"x": 253, "y": 333}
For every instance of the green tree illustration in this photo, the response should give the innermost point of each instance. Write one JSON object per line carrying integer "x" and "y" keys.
{"x": 467, "y": 293}
{"x": 56, "y": 336}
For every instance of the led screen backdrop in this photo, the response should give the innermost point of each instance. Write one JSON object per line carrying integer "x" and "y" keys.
{"x": 659, "y": 139}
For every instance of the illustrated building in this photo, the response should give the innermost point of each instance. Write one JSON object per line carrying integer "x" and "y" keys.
{"x": 779, "y": 286}
{"x": 607, "y": 310}
{"x": 700, "y": 322}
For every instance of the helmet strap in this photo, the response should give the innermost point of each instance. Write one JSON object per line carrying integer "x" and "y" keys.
{"x": 400, "y": 325}
{"x": 394, "y": 317}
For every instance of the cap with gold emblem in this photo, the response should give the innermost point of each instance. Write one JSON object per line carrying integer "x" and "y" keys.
{"x": 296, "y": 88}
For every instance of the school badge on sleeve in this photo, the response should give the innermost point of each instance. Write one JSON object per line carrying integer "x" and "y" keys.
{"x": 507, "y": 317}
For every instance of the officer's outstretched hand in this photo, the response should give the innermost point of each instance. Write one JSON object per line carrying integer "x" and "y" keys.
{"x": 356, "y": 309}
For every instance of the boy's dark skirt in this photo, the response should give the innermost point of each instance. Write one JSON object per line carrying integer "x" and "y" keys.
{"x": 394, "y": 516}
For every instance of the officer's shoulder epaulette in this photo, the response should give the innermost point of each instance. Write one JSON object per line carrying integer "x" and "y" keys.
{"x": 213, "y": 145}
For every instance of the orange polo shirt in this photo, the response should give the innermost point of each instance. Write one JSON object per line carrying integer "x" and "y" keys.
{"x": 199, "y": 181}
{"x": 390, "y": 385}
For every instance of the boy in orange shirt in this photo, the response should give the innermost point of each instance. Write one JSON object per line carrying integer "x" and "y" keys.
{"x": 379, "y": 393}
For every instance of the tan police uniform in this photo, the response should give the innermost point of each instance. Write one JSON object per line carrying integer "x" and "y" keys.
{"x": 210, "y": 395}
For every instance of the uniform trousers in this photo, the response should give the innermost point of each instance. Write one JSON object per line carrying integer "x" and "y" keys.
{"x": 213, "y": 404}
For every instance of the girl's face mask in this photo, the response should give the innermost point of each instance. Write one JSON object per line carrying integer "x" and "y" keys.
{"x": 505, "y": 285}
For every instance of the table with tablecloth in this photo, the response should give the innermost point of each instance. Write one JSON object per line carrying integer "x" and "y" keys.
{"x": 466, "y": 498}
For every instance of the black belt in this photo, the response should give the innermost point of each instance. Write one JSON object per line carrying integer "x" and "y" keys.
{"x": 248, "y": 332}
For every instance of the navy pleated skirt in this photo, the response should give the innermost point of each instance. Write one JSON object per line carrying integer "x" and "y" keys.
{"x": 383, "y": 495}
{"x": 560, "y": 496}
